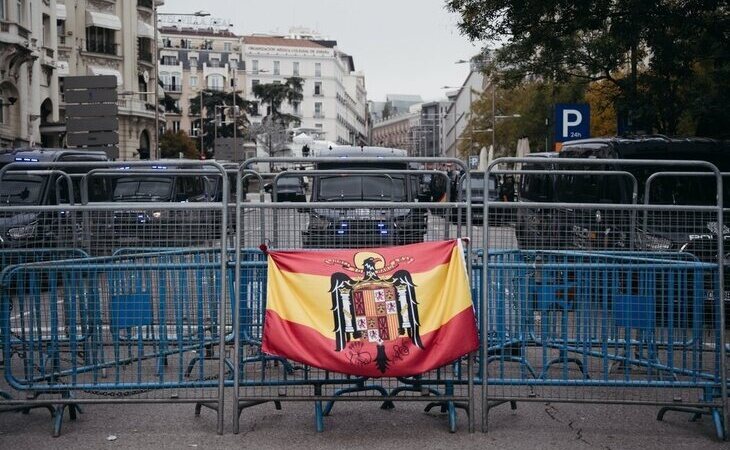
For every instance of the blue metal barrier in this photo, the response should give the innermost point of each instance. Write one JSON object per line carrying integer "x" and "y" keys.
{"x": 640, "y": 324}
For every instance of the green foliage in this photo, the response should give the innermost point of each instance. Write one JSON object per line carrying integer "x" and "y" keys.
{"x": 666, "y": 60}
{"x": 220, "y": 102}
{"x": 274, "y": 94}
{"x": 172, "y": 144}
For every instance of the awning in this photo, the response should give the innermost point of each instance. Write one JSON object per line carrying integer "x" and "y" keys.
{"x": 101, "y": 20}
{"x": 60, "y": 11}
{"x": 145, "y": 30}
{"x": 98, "y": 70}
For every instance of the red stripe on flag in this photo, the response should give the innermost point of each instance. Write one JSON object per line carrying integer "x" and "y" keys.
{"x": 425, "y": 256}
{"x": 300, "y": 343}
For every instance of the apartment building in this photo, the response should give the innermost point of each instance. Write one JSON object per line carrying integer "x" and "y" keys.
{"x": 195, "y": 56}
{"x": 334, "y": 93}
{"x": 115, "y": 37}
{"x": 29, "y": 92}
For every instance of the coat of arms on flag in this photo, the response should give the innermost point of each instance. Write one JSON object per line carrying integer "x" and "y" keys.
{"x": 395, "y": 311}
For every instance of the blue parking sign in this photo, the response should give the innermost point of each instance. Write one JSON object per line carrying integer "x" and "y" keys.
{"x": 572, "y": 121}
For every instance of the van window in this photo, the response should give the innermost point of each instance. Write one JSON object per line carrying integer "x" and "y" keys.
{"x": 21, "y": 190}
{"x": 367, "y": 187}
{"x": 143, "y": 189}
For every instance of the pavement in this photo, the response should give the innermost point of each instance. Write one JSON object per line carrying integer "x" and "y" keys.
{"x": 361, "y": 425}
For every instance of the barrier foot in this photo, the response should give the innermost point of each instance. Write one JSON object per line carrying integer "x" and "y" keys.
{"x": 362, "y": 388}
{"x": 318, "y": 417}
{"x": 452, "y": 417}
{"x": 697, "y": 413}
{"x": 719, "y": 424}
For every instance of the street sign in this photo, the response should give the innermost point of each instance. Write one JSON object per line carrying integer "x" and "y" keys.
{"x": 91, "y": 96}
{"x": 76, "y": 124}
{"x": 473, "y": 161}
{"x": 92, "y": 110}
{"x": 572, "y": 121}
{"x": 90, "y": 82}
{"x": 94, "y": 138}
{"x": 91, "y": 113}
{"x": 228, "y": 149}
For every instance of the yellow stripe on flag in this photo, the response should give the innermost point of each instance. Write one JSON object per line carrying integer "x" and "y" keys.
{"x": 442, "y": 293}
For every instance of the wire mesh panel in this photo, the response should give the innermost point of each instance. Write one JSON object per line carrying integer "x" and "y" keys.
{"x": 604, "y": 300}
{"x": 339, "y": 216}
{"x": 142, "y": 320}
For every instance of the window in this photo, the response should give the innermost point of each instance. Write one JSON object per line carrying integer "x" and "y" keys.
{"x": 144, "y": 46}
{"x": 255, "y": 83}
{"x": 2, "y": 105}
{"x": 21, "y": 12}
{"x": 60, "y": 30}
{"x": 46, "y": 30}
{"x": 216, "y": 82}
{"x": 318, "y": 69}
{"x": 277, "y": 66}
{"x": 169, "y": 60}
{"x": 215, "y": 62}
{"x": 295, "y": 69}
{"x": 193, "y": 62}
{"x": 318, "y": 88}
{"x": 318, "y": 125}
{"x": 227, "y": 46}
{"x": 295, "y": 106}
{"x": 3, "y": 12}
{"x": 318, "y": 110}
{"x": 255, "y": 66}
{"x": 101, "y": 40}
{"x": 175, "y": 126}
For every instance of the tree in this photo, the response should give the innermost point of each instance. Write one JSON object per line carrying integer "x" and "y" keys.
{"x": 650, "y": 51}
{"x": 274, "y": 94}
{"x": 532, "y": 100}
{"x": 215, "y": 102}
{"x": 174, "y": 143}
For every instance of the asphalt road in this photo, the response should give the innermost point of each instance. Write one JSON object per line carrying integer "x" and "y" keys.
{"x": 361, "y": 425}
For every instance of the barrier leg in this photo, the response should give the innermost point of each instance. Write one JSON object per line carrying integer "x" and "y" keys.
{"x": 318, "y": 416}
{"x": 362, "y": 388}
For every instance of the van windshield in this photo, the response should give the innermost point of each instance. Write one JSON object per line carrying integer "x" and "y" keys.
{"x": 362, "y": 188}
{"x": 143, "y": 189}
{"x": 21, "y": 190}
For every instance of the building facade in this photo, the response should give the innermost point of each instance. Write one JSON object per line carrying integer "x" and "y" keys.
{"x": 396, "y": 132}
{"x": 195, "y": 57}
{"x": 457, "y": 115}
{"x": 334, "y": 94}
{"x": 426, "y": 136}
{"x": 115, "y": 37}
{"x": 29, "y": 91}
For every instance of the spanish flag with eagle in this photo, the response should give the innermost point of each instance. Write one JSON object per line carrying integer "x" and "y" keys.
{"x": 381, "y": 312}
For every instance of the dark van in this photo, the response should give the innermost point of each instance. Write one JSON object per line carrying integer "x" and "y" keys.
{"x": 364, "y": 227}
{"x": 20, "y": 188}
{"x": 161, "y": 227}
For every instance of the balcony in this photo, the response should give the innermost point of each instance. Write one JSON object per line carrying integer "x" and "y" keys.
{"x": 104, "y": 48}
{"x": 172, "y": 87}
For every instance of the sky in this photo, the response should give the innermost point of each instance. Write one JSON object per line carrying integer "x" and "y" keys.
{"x": 402, "y": 46}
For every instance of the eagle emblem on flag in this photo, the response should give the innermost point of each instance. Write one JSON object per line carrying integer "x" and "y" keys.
{"x": 374, "y": 309}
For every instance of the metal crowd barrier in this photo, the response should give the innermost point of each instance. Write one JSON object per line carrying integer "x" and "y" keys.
{"x": 615, "y": 303}
{"x": 261, "y": 378}
{"x": 599, "y": 312}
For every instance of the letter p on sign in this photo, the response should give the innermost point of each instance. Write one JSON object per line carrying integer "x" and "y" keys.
{"x": 571, "y": 118}
{"x": 572, "y": 121}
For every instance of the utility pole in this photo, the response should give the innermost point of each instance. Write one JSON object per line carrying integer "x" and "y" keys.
{"x": 156, "y": 153}
{"x": 200, "y": 130}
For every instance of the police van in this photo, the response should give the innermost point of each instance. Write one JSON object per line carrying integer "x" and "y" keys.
{"x": 364, "y": 226}
{"x": 18, "y": 187}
